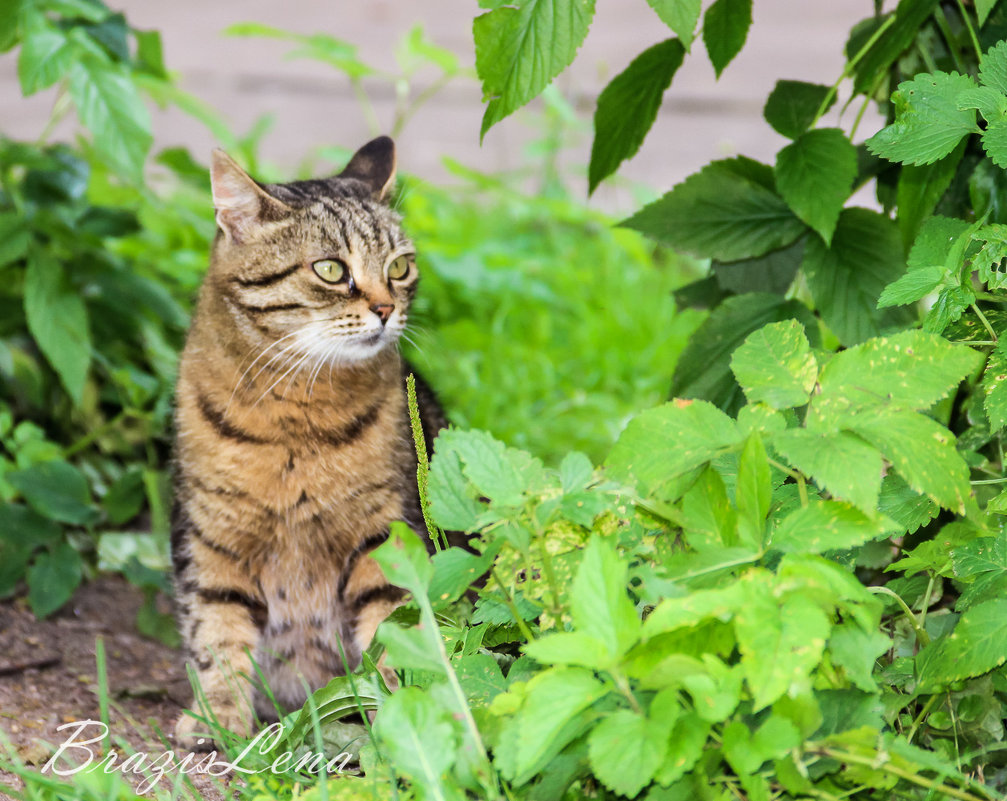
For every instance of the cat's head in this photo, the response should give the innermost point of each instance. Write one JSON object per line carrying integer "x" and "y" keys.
{"x": 320, "y": 268}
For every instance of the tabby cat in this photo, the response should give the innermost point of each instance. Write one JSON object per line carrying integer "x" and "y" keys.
{"x": 293, "y": 445}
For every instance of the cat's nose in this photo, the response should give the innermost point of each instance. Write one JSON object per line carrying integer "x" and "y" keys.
{"x": 383, "y": 310}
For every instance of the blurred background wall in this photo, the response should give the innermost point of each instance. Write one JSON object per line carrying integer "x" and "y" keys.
{"x": 313, "y": 105}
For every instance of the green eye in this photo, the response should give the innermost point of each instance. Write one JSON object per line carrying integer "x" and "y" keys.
{"x": 399, "y": 268}
{"x": 330, "y": 270}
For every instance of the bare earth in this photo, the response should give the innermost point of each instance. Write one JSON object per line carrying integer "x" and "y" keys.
{"x": 48, "y": 677}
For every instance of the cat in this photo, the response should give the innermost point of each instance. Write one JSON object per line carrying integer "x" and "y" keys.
{"x": 293, "y": 446}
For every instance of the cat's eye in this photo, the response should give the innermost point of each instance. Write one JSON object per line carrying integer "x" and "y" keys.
{"x": 330, "y": 270}
{"x": 399, "y": 268}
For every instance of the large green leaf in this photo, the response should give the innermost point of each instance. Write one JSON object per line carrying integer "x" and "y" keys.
{"x": 704, "y": 368}
{"x": 57, "y": 319}
{"x": 725, "y": 28}
{"x": 994, "y": 385}
{"x": 46, "y": 54}
{"x": 815, "y": 176}
{"x": 52, "y": 579}
{"x": 110, "y": 107}
{"x": 598, "y": 600}
{"x": 775, "y": 365}
{"x": 628, "y": 106}
{"x": 679, "y": 15}
{"x": 626, "y": 749}
{"x": 520, "y": 48}
{"x": 838, "y": 461}
{"x": 772, "y": 272}
{"x": 847, "y": 277}
{"x": 452, "y": 502}
{"x": 977, "y": 645}
{"x": 909, "y": 17}
{"x": 994, "y": 140}
{"x": 721, "y": 212}
{"x": 56, "y": 490}
{"x": 663, "y": 443}
{"x": 928, "y": 122}
{"x": 993, "y": 67}
{"x": 827, "y": 526}
{"x": 792, "y": 106}
{"x": 753, "y": 492}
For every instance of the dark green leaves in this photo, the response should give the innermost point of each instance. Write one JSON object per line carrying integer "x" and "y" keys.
{"x": 53, "y": 578}
{"x": 679, "y": 15}
{"x": 520, "y": 48}
{"x": 628, "y": 106}
{"x": 977, "y": 645}
{"x": 56, "y": 490}
{"x": 793, "y": 105}
{"x": 728, "y": 210}
{"x": 57, "y": 319}
{"x": 725, "y": 28}
{"x": 814, "y": 175}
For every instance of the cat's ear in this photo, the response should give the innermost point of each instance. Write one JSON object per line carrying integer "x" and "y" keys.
{"x": 240, "y": 202}
{"x": 374, "y": 165}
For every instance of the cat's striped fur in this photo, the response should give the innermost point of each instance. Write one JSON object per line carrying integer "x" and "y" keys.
{"x": 293, "y": 446}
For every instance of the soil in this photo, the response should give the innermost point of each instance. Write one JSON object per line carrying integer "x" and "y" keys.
{"x": 48, "y": 678}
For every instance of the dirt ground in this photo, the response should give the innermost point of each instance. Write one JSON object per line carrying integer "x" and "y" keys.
{"x": 48, "y": 677}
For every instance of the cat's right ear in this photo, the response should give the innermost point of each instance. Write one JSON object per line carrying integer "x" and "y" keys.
{"x": 241, "y": 204}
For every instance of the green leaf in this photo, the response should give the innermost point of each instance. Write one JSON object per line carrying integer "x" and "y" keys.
{"x": 481, "y": 678}
{"x": 704, "y": 368}
{"x": 725, "y": 28}
{"x": 935, "y": 241}
{"x": 775, "y": 365}
{"x": 22, "y": 526}
{"x": 110, "y": 107}
{"x": 688, "y": 738}
{"x": 913, "y": 286}
{"x": 847, "y": 277}
{"x": 575, "y": 472}
{"x": 815, "y": 175}
{"x": 746, "y": 751}
{"x": 922, "y": 451}
{"x": 827, "y": 526}
{"x": 994, "y": 386}
{"x": 909, "y": 18}
{"x": 57, "y": 319}
{"x": 56, "y": 490}
{"x": 626, "y": 749}
{"x": 793, "y": 105}
{"x": 977, "y": 645}
{"x": 994, "y": 140}
{"x": 839, "y": 462}
{"x": 689, "y": 610}
{"x": 771, "y": 273}
{"x": 983, "y": 9}
{"x": 455, "y": 570}
{"x": 721, "y": 212}
{"x": 46, "y": 54}
{"x": 519, "y": 50}
{"x": 600, "y": 606}
{"x": 909, "y": 370}
{"x": 628, "y": 106}
{"x": 993, "y": 64}
{"x": 781, "y": 640}
{"x": 570, "y": 648}
{"x": 920, "y": 190}
{"x": 15, "y": 237}
{"x": 404, "y": 560}
{"x": 679, "y": 15}
{"x": 500, "y": 473}
{"x": 857, "y": 651}
{"x": 753, "y": 492}
{"x": 414, "y": 648}
{"x": 453, "y": 505}
{"x": 418, "y": 736}
{"x": 928, "y": 123}
{"x": 52, "y": 579}
{"x": 660, "y": 444}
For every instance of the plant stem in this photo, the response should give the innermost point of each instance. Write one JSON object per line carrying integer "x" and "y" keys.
{"x": 623, "y": 685}
{"x": 918, "y": 720}
{"x": 101, "y": 667}
{"x": 921, "y": 633}
{"x": 98, "y": 432}
{"x": 848, "y": 68}
{"x": 949, "y": 38}
{"x": 971, "y": 30}
{"x": 989, "y": 481}
{"x": 802, "y": 486}
{"x": 926, "y": 599}
{"x": 509, "y": 600}
{"x": 985, "y": 322}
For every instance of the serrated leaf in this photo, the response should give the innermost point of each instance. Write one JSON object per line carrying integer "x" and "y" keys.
{"x": 977, "y": 645}
{"x": 981, "y": 555}
{"x": 404, "y": 560}
{"x": 721, "y": 212}
{"x": 575, "y": 472}
{"x": 746, "y": 751}
{"x": 452, "y": 503}
{"x": 725, "y": 28}
{"x": 662, "y": 443}
{"x": 57, "y": 319}
{"x": 847, "y": 278}
{"x": 626, "y": 749}
{"x": 52, "y": 579}
{"x": 928, "y": 123}
{"x": 994, "y": 140}
{"x": 912, "y": 286}
{"x": 993, "y": 64}
{"x": 47, "y": 54}
{"x": 675, "y": 613}
{"x": 935, "y": 241}
{"x": 704, "y": 368}
{"x": 793, "y": 105}
{"x": 598, "y": 601}
{"x": 815, "y": 175}
{"x": 500, "y": 473}
{"x": 775, "y": 365}
{"x": 455, "y": 570}
{"x": 688, "y": 738}
{"x": 679, "y": 15}
{"x": 922, "y": 451}
{"x": 570, "y": 648}
{"x": 827, "y": 526}
{"x": 920, "y": 190}
{"x": 994, "y": 385}
{"x": 519, "y": 50}
{"x": 839, "y": 462}
{"x": 628, "y": 106}
{"x": 951, "y": 303}
{"x": 109, "y": 106}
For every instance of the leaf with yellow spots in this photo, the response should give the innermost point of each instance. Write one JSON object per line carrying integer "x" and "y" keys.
{"x": 827, "y": 526}
{"x": 994, "y": 386}
{"x": 977, "y": 645}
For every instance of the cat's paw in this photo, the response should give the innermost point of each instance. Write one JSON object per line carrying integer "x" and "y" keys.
{"x": 193, "y": 734}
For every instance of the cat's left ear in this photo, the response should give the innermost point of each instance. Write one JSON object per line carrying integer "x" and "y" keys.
{"x": 240, "y": 202}
{"x": 374, "y": 165}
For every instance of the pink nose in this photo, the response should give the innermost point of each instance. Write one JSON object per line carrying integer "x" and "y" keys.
{"x": 383, "y": 310}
